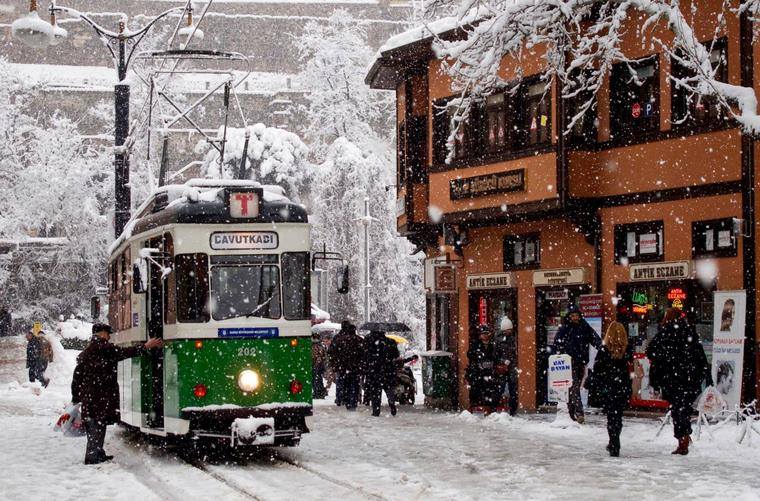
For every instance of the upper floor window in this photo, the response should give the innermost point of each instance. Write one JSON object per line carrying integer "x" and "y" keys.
{"x": 497, "y": 122}
{"x": 639, "y": 242}
{"x": 522, "y": 251}
{"x": 534, "y": 125}
{"x": 584, "y": 130}
{"x": 635, "y": 98}
{"x": 713, "y": 238}
{"x": 694, "y": 110}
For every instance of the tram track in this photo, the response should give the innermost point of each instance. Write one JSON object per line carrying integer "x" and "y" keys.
{"x": 222, "y": 474}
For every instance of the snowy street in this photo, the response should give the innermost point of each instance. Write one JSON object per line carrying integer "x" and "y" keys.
{"x": 419, "y": 454}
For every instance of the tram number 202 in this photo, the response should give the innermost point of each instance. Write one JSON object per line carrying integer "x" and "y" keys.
{"x": 246, "y": 351}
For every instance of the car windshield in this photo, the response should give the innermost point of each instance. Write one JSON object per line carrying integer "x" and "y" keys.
{"x": 239, "y": 291}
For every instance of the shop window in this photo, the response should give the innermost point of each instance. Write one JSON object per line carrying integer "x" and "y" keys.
{"x": 639, "y": 242}
{"x": 635, "y": 98}
{"x": 715, "y": 238}
{"x": 693, "y": 110}
{"x": 534, "y": 126}
{"x": 522, "y": 252}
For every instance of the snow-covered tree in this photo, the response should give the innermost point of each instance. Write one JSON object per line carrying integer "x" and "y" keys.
{"x": 335, "y": 54}
{"x": 54, "y": 203}
{"x": 347, "y": 176}
{"x": 580, "y": 40}
{"x": 273, "y": 156}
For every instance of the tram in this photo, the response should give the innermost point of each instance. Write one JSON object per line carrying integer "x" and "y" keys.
{"x": 220, "y": 270}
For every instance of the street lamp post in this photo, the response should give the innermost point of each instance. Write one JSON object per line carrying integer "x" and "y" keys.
{"x": 122, "y": 44}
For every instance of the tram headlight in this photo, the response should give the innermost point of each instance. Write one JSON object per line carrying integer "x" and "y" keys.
{"x": 248, "y": 380}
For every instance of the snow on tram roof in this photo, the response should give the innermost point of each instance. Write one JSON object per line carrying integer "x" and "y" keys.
{"x": 192, "y": 191}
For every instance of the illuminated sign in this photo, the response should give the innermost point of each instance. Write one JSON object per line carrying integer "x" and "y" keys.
{"x": 676, "y": 293}
{"x": 483, "y": 311}
{"x": 639, "y": 298}
{"x": 640, "y": 309}
{"x": 678, "y": 304}
{"x": 244, "y": 204}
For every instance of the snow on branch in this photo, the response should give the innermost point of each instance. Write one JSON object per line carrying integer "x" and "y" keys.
{"x": 579, "y": 41}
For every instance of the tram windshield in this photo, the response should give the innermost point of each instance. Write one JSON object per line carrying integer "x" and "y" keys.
{"x": 245, "y": 290}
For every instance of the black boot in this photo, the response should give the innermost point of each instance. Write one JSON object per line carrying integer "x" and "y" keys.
{"x": 614, "y": 446}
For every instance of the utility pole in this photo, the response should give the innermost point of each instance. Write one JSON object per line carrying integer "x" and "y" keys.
{"x": 366, "y": 220}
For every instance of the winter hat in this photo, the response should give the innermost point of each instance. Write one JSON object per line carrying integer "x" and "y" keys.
{"x": 506, "y": 324}
{"x": 101, "y": 328}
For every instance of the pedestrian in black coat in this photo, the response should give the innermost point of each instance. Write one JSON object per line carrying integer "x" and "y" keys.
{"x": 35, "y": 359}
{"x": 346, "y": 355}
{"x": 6, "y": 322}
{"x": 484, "y": 357}
{"x": 381, "y": 362}
{"x": 506, "y": 370}
{"x": 574, "y": 338}
{"x": 95, "y": 385}
{"x": 678, "y": 368}
{"x": 612, "y": 380}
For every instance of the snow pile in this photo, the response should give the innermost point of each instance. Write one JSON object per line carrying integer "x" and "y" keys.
{"x": 73, "y": 328}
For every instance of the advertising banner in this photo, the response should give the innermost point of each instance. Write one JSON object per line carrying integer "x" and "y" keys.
{"x": 560, "y": 378}
{"x": 729, "y": 317}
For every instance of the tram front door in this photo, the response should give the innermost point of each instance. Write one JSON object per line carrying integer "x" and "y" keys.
{"x": 156, "y": 329}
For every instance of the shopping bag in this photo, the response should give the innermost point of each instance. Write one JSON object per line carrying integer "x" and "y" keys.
{"x": 70, "y": 423}
{"x": 711, "y": 402}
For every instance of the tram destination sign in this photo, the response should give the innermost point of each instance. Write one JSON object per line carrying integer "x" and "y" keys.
{"x": 489, "y": 184}
{"x": 244, "y": 240}
{"x": 671, "y": 270}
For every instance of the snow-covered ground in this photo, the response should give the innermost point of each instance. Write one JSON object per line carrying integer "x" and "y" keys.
{"x": 418, "y": 454}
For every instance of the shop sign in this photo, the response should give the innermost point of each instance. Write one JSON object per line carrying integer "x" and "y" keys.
{"x": 480, "y": 186}
{"x": 557, "y": 295}
{"x": 591, "y": 305}
{"x": 648, "y": 243}
{"x": 560, "y": 377}
{"x": 244, "y": 240}
{"x": 489, "y": 281}
{"x": 729, "y": 317}
{"x": 672, "y": 270}
{"x": 445, "y": 278}
{"x": 565, "y": 276}
{"x": 429, "y": 271}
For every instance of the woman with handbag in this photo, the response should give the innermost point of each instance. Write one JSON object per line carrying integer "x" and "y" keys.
{"x": 612, "y": 380}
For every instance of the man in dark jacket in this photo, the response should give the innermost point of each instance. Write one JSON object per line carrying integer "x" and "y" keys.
{"x": 5, "y": 321}
{"x": 481, "y": 374}
{"x": 574, "y": 338}
{"x": 381, "y": 360}
{"x": 506, "y": 370}
{"x": 678, "y": 368}
{"x": 35, "y": 360}
{"x": 346, "y": 354}
{"x": 95, "y": 385}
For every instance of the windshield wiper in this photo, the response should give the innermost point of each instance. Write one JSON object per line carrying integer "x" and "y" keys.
{"x": 253, "y": 313}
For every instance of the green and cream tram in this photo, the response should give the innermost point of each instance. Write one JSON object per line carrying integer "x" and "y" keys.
{"x": 221, "y": 272}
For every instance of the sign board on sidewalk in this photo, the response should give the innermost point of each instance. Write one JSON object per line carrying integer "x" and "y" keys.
{"x": 729, "y": 319}
{"x": 559, "y": 378}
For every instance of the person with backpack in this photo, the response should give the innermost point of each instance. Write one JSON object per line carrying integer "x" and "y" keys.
{"x": 95, "y": 386}
{"x": 678, "y": 366}
{"x": 612, "y": 380}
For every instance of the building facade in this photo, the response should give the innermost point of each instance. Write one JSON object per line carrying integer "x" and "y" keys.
{"x": 637, "y": 209}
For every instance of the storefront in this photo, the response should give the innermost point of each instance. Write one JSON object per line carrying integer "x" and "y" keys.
{"x": 555, "y": 290}
{"x": 492, "y": 297}
{"x": 654, "y": 288}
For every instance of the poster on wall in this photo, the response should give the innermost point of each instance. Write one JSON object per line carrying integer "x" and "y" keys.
{"x": 729, "y": 317}
{"x": 643, "y": 394}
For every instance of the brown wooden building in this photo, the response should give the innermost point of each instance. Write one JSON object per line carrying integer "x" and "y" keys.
{"x": 635, "y": 203}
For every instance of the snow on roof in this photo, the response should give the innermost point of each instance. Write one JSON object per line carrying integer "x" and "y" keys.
{"x": 103, "y": 78}
{"x": 195, "y": 190}
{"x": 428, "y": 30}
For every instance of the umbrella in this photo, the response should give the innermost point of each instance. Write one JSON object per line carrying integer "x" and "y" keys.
{"x": 397, "y": 338}
{"x": 385, "y": 327}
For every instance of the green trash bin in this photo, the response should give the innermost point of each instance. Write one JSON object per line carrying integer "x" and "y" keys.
{"x": 437, "y": 378}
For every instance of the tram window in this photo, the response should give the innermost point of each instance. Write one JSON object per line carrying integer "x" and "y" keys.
{"x": 240, "y": 291}
{"x": 295, "y": 285}
{"x": 191, "y": 274}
